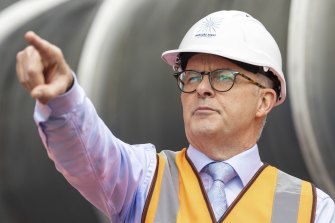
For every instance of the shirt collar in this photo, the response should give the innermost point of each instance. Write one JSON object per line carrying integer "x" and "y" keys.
{"x": 245, "y": 164}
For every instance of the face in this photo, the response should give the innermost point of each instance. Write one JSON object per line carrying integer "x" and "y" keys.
{"x": 220, "y": 118}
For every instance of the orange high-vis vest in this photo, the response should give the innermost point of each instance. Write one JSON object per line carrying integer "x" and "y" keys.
{"x": 272, "y": 196}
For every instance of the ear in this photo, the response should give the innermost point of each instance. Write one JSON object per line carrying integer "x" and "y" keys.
{"x": 266, "y": 102}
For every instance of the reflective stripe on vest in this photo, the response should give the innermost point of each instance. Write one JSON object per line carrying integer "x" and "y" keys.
{"x": 177, "y": 195}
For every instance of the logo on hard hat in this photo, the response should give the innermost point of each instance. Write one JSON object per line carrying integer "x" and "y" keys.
{"x": 208, "y": 27}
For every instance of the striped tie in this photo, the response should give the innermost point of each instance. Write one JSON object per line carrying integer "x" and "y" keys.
{"x": 221, "y": 173}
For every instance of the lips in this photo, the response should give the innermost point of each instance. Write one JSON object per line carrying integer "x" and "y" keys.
{"x": 204, "y": 110}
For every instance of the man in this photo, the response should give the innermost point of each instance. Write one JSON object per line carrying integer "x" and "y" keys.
{"x": 228, "y": 68}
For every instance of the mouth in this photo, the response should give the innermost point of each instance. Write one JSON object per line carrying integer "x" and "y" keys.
{"x": 205, "y": 110}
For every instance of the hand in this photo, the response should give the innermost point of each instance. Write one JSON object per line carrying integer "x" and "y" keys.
{"x": 42, "y": 69}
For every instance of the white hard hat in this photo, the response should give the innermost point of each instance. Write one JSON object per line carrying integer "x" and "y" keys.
{"x": 235, "y": 35}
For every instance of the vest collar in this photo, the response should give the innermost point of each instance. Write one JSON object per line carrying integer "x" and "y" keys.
{"x": 245, "y": 164}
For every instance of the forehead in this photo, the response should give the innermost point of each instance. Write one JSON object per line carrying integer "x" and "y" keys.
{"x": 209, "y": 61}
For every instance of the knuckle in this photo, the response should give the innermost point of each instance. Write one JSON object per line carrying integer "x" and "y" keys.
{"x": 30, "y": 49}
{"x": 57, "y": 53}
{"x": 19, "y": 56}
{"x": 23, "y": 81}
{"x": 31, "y": 71}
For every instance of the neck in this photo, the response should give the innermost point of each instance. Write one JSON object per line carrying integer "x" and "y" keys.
{"x": 223, "y": 148}
{"x": 220, "y": 153}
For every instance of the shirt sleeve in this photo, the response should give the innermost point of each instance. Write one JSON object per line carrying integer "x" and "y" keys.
{"x": 325, "y": 208}
{"x": 111, "y": 174}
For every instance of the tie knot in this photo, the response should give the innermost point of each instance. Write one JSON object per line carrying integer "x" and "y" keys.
{"x": 220, "y": 171}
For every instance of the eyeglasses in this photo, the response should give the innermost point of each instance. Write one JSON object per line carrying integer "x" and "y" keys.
{"x": 221, "y": 80}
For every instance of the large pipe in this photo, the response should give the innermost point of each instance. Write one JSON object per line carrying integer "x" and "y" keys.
{"x": 310, "y": 68}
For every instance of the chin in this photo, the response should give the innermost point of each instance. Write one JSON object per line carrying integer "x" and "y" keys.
{"x": 203, "y": 130}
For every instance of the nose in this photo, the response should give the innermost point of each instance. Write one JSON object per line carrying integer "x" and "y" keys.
{"x": 205, "y": 89}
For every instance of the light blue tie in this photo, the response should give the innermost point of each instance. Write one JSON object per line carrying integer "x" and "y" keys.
{"x": 221, "y": 173}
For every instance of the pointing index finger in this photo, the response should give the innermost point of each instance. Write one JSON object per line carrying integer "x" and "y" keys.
{"x": 45, "y": 48}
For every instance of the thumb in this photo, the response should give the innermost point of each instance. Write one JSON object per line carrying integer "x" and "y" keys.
{"x": 45, "y": 92}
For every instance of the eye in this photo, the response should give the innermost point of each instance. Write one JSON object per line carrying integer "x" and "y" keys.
{"x": 222, "y": 76}
{"x": 191, "y": 77}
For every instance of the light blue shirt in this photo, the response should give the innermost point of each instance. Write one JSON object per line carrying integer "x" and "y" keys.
{"x": 116, "y": 176}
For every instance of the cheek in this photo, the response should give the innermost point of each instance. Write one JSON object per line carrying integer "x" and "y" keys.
{"x": 242, "y": 109}
{"x": 234, "y": 105}
{"x": 184, "y": 105}
{"x": 187, "y": 104}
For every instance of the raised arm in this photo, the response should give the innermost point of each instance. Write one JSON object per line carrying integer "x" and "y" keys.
{"x": 111, "y": 174}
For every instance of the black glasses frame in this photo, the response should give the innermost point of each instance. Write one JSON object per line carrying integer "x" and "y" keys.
{"x": 209, "y": 73}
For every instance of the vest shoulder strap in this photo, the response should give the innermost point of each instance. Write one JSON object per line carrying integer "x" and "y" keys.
{"x": 277, "y": 197}
{"x": 163, "y": 203}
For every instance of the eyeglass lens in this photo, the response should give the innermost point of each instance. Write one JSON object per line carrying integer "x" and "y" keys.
{"x": 220, "y": 80}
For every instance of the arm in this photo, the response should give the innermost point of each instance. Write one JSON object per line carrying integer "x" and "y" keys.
{"x": 104, "y": 169}
{"x": 111, "y": 174}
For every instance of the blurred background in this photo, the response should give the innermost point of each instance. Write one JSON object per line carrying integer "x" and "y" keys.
{"x": 114, "y": 46}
